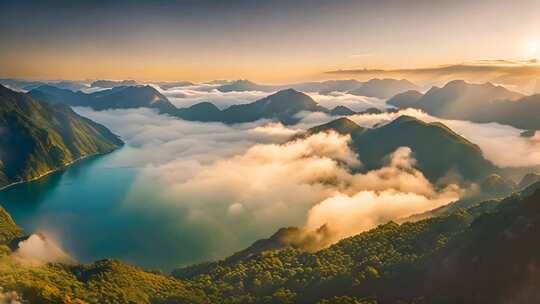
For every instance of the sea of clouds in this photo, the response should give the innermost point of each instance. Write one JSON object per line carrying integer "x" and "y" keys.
{"x": 225, "y": 186}
{"x": 185, "y": 96}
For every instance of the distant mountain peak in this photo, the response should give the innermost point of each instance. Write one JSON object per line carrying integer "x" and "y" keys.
{"x": 204, "y": 105}
{"x": 341, "y": 110}
{"x": 341, "y": 125}
{"x": 287, "y": 92}
{"x": 383, "y": 88}
{"x": 289, "y": 99}
{"x": 436, "y": 148}
{"x": 406, "y": 119}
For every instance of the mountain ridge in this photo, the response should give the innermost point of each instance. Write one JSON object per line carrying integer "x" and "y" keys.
{"x": 39, "y": 138}
{"x": 453, "y": 152}
{"x": 482, "y": 103}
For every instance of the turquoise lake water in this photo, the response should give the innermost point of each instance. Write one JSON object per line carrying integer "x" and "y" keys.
{"x": 83, "y": 208}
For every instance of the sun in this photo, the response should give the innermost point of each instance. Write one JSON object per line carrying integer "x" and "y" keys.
{"x": 532, "y": 49}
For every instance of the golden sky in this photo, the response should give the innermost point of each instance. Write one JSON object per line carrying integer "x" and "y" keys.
{"x": 265, "y": 41}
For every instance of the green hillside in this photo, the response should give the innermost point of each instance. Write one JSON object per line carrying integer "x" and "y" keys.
{"x": 437, "y": 149}
{"x": 447, "y": 259}
{"x": 482, "y": 254}
{"x": 37, "y": 138}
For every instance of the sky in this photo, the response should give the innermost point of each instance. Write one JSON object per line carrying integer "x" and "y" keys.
{"x": 265, "y": 41}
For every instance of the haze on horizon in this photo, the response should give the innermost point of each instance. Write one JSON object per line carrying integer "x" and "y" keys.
{"x": 265, "y": 41}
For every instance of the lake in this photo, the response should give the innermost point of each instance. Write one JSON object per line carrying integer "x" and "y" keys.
{"x": 83, "y": 208}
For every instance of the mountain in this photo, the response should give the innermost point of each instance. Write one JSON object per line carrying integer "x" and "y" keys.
{"x": 437, "y": 149}
{"x": 24, "y": 85}
{"x": 486, "y": 253}
{"x": 341, "y": 111}
{"x": 38, "y": 138}
{"x": 19, "y": 84}
{"x": 203, "y": 111}
{"x": 108, "y": 84}
{"x": 477, "y": 102}
{"x": 372, "y": 111}
{"x": 383, "y": 88}
{"x": 54, "y": 95}
{"x": 322, "y": 87}
{"x": 282, "y": 106}
{"x": 529, "y": 179}
{"x": 461, "y": 100}
{"x": 483, "y": 254}
{"x": 492, "y": 188}
{"x": 8, "y": 229}
{"x": 406, "y": 99}
{"x": 523, "y": 113}
{"x": 246, "y": 85}
{"x": 496, "y": 254}
{"x": 341, "y": 125}
{"x": 326, "y": 87}
{"x": 170, "y": 85}
{"x": 115, "y": 98}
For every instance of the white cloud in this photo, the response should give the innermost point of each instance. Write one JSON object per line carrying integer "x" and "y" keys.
{"x": 186, "y": 96}
{"x": 353, "y": 102}
{"x": 227, "y": 186}
{"x": 270, "y": 186}
{"x": 392, "y": 192}
{"x": 38, "y": 248}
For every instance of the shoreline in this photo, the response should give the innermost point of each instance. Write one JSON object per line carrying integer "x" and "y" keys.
{"x": 65, "y": 166}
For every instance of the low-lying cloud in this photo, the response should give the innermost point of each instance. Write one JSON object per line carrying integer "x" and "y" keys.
{"x": 273, "y": 185}
{"x": 353, "y": 102}
{"x": 186, "y": 96}
{"x": 219, "y": 187}
{"x": 38, "y": 249}
{"x": 392, "y": 192}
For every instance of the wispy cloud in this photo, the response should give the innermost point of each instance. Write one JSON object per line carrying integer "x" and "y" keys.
{"x": 477, "y": 66}
{"x": 524, "y": 75}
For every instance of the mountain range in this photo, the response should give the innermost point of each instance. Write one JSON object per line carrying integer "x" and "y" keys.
{"x": 383, "y": 88}
{"x": 482, "y": 254}
{"x": 38, "y": 138}
{"x": 107, "y": 84}
{"x": 380, "y": 88}
{"x": 116, "y": 98}
{"x": 323, "y": 87}
{"x": 25, "y": 85}
{"x": 479, "y": 252}
{"x": 437, "y": 148}
{"x": 282, "y": 105}
{"x": 173, "y": 84}
{"x": 475, "y": 102}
